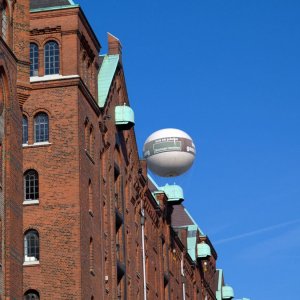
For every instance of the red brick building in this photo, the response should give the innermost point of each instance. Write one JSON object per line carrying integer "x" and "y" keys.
{"x": 79, "y": 216}
{"x": 14, "y": 90}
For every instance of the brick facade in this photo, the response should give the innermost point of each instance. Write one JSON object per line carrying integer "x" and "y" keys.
{"x": 14, "y": 90}
{"x": 101, "y": 228}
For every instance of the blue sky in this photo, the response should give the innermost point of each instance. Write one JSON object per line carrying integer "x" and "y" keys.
{"x": 227, "y": 73}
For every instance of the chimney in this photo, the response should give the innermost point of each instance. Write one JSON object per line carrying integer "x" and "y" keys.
{"x": 114, "y": 45}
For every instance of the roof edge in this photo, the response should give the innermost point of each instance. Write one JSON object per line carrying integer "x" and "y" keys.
{"x": 34, "y": 10}
{"x": 187, "y": 212}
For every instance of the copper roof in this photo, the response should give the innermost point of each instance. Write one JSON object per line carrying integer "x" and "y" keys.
{"x": 36, "y": 4}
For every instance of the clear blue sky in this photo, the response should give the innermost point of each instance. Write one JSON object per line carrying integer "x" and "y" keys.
{"x": 228, "y": 73}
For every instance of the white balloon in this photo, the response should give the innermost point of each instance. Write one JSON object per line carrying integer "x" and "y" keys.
{"x": 169, "y": 152}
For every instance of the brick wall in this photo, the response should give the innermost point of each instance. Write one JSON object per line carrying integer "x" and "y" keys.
{"x": 67, "y": 215}
{"x": 94, "y": 199}
{"x": 14, "y": 86}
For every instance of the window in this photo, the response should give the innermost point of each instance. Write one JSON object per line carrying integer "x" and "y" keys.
{"x": 25, "y": 130}
{"x": 31, "y": 295}
{"x": 31, "y": 247}
{"x": 34, "y": 59}
{"x": 51, "y": 58}
{"x": 41, "y": 128}
{"x": 31, "y": 185}
{"x": 4, "y": 21}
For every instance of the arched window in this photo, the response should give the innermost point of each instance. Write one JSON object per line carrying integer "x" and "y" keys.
{"x": 34, "y": 59}
{"x": 31, "y": 246}
{"x": 41, "y": 128}
{"x": 51, "y": 58}
{"x": 25, "y": 129}
{"x": 4, "y": 20}
{"x": 31, "y": 185}
{"x": 31, "y": 295}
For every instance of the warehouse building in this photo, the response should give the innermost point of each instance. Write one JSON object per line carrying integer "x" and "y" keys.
{"x": 79, "y": 216}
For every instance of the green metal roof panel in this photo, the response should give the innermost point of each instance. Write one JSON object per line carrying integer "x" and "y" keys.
{"x": 105, "y": 77}
{"x": 227, "y": 292}
{"x": 203, "y": 250}
{"x": 53, "y": 8}
{"x": 192, "y": 241}
{"x": 124, "y": 115}
{"x": 45, "y": 5}
{"x": 174, "y": 192}
{"x": 220, "y": 279}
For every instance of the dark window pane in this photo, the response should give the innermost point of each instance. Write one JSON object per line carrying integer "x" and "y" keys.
{"x": 31, "y": 185}
{"x": 41, "y": 128}
{"x": 25, "y": 130}
{"x": 31, "y": 295}
{"x": 51, "y": 58}
{"x": 34, "y": 59}
{"x": 31, "y": 245}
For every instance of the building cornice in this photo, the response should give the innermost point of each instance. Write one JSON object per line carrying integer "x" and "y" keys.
{"x": 59, "y": 81}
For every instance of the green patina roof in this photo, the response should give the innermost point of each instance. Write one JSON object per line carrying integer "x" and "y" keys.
{"x": 191, "y": 235}
{"x": 203, "y": 250}
{"x": 220, "y": 282}
{"x": 124, "y": 115}
{"x": 44, "y": 5}
{"x": 227, "y": 292}
{"x": 192, "y": 241}
{"x": 105, "y": 77}
{"x": 174, "y": 192}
